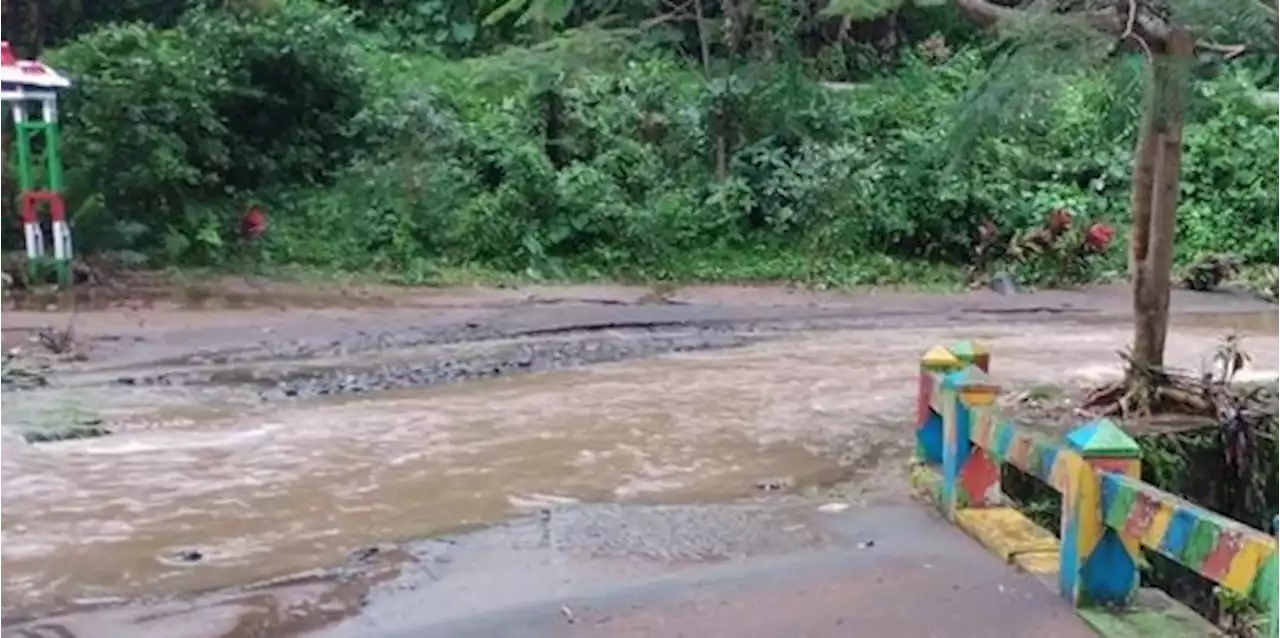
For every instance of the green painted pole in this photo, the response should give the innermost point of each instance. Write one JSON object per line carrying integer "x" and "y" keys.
{"x": 26, "y": 182}
{"x": 22, "y": 135}
{"x": 53, "y": 156}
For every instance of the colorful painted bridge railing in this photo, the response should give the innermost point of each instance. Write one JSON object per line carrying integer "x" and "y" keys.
{"x": 1108, "y": 512}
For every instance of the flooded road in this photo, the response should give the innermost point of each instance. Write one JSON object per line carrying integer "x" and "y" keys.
{"x": 302, "y": 486}
{"x": 205, "y": 496}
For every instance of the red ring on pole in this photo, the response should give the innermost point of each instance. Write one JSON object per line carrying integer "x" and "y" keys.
{"x": 31, "y": 199}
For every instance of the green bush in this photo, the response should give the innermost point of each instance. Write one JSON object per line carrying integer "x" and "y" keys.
{"x": 292, "y": 88}
{"x": 1229, "y": 189}
{"x": 370, "y": 157}
{"x": 169, "y": 132}
{"x": 142, "y": 132}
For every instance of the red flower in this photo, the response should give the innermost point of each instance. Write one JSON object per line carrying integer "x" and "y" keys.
{"x": 1098, "y": 237}
{"x": 1059, "y": 221}
{"x": 253, "y": 224}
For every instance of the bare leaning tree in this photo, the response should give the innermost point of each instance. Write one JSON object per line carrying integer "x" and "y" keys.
{"x": 1173, "y": 37}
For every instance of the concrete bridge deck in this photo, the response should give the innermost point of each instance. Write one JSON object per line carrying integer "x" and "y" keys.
{"x": 878, "y": 571}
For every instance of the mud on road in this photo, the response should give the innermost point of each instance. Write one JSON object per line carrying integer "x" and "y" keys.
{"x": 264, "y": 434}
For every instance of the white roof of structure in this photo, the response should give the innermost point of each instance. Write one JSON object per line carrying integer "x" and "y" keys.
{"x": 29, "y": 73}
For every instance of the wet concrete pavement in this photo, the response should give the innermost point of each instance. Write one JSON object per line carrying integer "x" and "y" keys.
{"x": 624, "y": 571}
{"x": 889, "y": 570}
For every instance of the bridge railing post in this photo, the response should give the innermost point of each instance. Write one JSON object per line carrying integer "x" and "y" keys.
{"x": 936, "y": 362}
{"x": 1098, "y": 565}
{"x": 972, "y": 353}
{"x": 969, "y": 478}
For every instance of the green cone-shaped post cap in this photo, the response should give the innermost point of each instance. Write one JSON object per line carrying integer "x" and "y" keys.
{"x": 1103, "y": 438}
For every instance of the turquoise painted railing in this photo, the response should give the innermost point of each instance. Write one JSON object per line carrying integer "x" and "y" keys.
{"x": 1108, "y": 512}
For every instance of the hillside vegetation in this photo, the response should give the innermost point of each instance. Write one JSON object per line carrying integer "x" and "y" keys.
{"x": 634, "y": 139}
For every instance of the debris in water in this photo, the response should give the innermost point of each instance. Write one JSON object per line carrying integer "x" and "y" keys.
{"x": 86, "y": 429}
{"x": 189, "y": 556}
{"x": 21, "y": 378}
{"x": 364, "y": 553}
{"x": 773, "y": 484}
{"x": 833, "y": 508}
{"x": 58, "y": 341}
{"x": 538, "y": 501}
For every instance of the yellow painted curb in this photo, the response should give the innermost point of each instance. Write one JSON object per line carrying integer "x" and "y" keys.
{"x": 1006, "y": 532}
{"x": 1038, "y": 562}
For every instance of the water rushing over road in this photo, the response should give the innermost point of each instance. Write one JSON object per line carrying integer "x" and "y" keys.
{"x": 224, "y": 498}
{"x": 302, "y": 486}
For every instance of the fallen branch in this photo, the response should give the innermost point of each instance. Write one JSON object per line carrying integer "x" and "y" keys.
{"x": 1228, "y": 51}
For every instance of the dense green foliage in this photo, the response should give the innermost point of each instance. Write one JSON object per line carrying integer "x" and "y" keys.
{"x": 408, "y": 137}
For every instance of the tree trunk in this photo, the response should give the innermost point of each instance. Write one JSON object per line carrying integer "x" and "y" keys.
{"x": 1148, "y": 327}
{"x": 1157, "y": 165}
{"x": 722, "y": 158}
{"x": 704, "y": 39}
{"x": 737, "y": 15}
{"x": 1144, "y": 176}
{"x": 35, "y": 29}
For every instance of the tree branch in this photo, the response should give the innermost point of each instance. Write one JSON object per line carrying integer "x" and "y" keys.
{"x": 1111, "y": 21}
{"x": 1130, "y": 22}
{"x": 1270, "y": 9}
{"x": 1125, "y": 19}
{"x": 987, "y": 13}
{"x": 1228, "y": 51}
{"x": 1123, "y": 23}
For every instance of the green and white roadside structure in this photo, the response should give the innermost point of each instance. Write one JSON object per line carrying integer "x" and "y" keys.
{"x": 28, "y": 87}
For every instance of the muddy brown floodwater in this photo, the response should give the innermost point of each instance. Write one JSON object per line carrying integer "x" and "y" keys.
{"x": 303, "y": 485}
{"x": 207, "y": 487}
